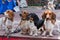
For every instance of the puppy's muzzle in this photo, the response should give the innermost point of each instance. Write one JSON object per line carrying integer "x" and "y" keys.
{"x": 47, "y": 19}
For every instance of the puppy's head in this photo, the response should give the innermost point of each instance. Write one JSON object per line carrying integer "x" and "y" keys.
{"x": 24, "y": 14}
{"x": 9, "y": 14}
{"x": 49, "y": 15}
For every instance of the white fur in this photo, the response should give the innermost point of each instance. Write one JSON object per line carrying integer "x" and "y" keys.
{"x": 2, "y": 23}
{"x": 5, "y": 14}
{"x": 57, "y": 25}
{"x": 49, "y": 24}
{"x": 11, "y": 24}
{"x": 27, "y": 24}
{"x": 33, "y": 29}
{"x": 3, "y": 26}
{"x": 24, "y": 24}
{"x": 49, "y": 27}
{"x": 52, "y": 27}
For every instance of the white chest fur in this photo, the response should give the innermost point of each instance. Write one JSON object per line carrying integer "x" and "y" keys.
{"x": 48, "y": 24}
{"x": 8, "y": 22}
{"x": 24, "y": 24}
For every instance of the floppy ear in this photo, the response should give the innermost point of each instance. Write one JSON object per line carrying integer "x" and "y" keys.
{"x": 12, "y": 13}
{"x": 43, "y": 16}
{"x": 53, "y": 16}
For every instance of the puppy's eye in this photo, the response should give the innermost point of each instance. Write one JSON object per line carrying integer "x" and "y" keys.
{"x": 45, "y": 13}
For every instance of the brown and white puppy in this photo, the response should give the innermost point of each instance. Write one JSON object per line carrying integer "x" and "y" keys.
{"x": 27, "y": 24}
{"x": 9, "y": 14}
{"x": 24, "y": 24}
{"x": 50, "y": 19}
{"x": 9, "y": 19}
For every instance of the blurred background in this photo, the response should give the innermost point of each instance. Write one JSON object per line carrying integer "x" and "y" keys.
{"x": 16, "y": 5}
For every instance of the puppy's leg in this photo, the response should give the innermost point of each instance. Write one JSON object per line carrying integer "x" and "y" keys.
{"x": 44, "y": 33}
{"x": 35, "y": 32}
{"x": 31, "y": 32}
{"x": 44, "y": 30}
{"x": 50, "y": 32}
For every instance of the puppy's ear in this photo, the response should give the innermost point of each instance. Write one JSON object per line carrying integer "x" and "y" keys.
{"x": 53, "y": 16}
{"x": 43, "y": 15}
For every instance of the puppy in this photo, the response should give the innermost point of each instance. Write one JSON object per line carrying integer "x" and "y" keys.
{"x": 9, "y": 19}
{"x": 37, "y": 22}
{"x": 33, "y": 28}
{"x": 27, "y": 24}
{"x": 50, "y": 19}
{"x": 24, "y": 24}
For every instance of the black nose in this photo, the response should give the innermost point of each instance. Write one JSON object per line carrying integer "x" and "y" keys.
{"x": 20, "y": 14}
{"x": 47, "y": 18}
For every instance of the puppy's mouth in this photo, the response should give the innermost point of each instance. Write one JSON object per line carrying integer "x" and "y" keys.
{"x": 48, "y": 19}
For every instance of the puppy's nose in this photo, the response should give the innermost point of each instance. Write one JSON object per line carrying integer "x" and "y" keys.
{"x": 20, "y": 14}
{"x": 47, "y": 18}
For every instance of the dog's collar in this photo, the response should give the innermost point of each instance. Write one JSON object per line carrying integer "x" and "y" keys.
{"x": 24, "y": 19}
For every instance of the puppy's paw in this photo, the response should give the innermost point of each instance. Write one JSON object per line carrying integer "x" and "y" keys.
{"x": 51, "y": 35}
{"x": 31, "y": 34}
{"x": 44, "y": 33}
{"x": 35, "y": 34}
